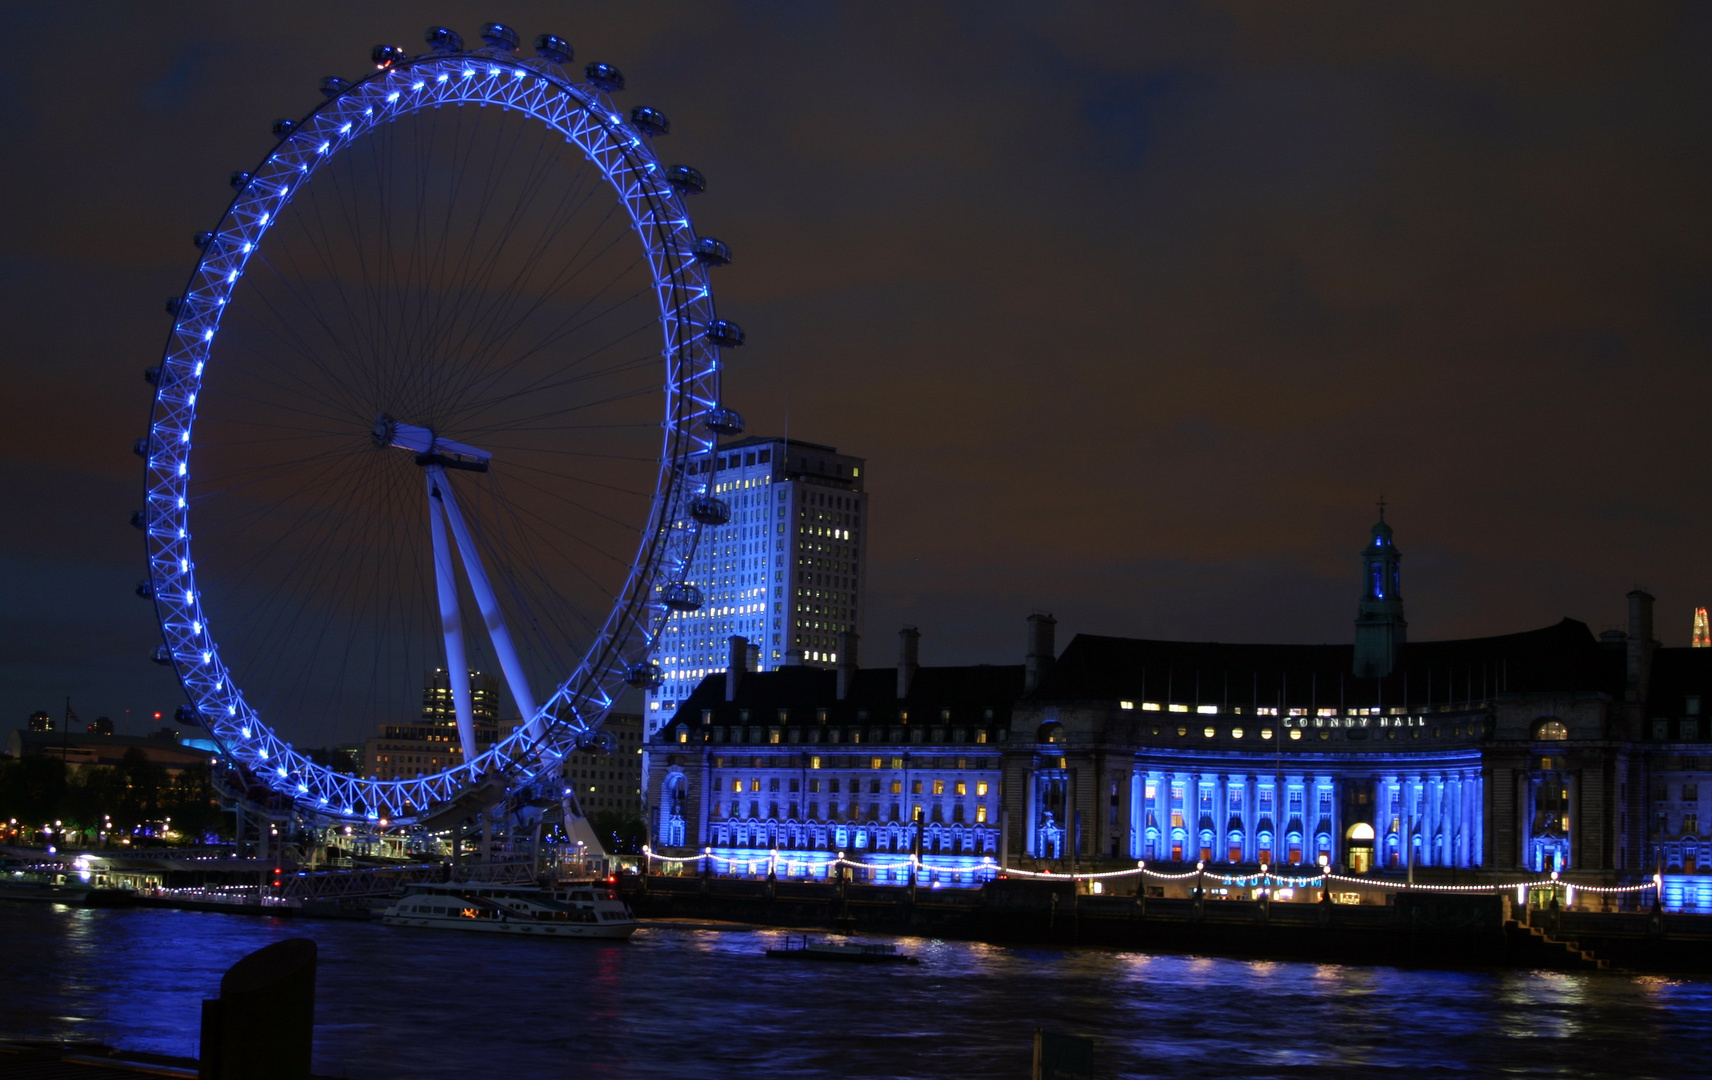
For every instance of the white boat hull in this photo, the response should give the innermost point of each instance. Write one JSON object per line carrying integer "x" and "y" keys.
{"x": 518, "y": 928}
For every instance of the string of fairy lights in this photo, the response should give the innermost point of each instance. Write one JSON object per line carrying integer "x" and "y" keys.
{"x": 1265, "y": 879}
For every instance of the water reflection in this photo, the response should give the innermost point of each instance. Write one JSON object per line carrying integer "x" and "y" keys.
{"x": 692, "y": 1003}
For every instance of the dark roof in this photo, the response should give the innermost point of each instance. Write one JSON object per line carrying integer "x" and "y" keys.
{"x": 1563, "y": 657}
{"x": 767, "y": 440}
{"x": 801, "y": 689}
{"x": 108, "y": 748}
{"x": 1677, "y": 674}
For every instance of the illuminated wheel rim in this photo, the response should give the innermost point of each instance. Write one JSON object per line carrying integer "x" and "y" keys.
{"x": 689, "y": 386}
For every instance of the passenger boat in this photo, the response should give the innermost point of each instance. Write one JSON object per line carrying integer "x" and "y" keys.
{"x": 847, "y": 952}
{"x": 567, "y": 911}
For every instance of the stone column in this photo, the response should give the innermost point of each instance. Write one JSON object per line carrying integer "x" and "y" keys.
{"x": 1221, "y": 816}
{"x": 1251, "y": 818}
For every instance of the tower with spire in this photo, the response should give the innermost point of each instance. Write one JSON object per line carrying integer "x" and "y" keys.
{"x": 1379, "y": 625}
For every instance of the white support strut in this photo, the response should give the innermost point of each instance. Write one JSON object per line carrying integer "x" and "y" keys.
{"x": 451, "y": 622}
{"x": 509, "y": 665}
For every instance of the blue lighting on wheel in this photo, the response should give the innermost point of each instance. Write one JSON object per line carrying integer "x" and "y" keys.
{"x": 628, "y": 164}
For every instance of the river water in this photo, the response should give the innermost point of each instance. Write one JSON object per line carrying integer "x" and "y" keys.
{"x": 404, "y": 1003}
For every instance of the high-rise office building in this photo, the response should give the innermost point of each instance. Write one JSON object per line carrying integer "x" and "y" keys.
{"x": 431, "y": 744}
{"x": 787, "y": 572}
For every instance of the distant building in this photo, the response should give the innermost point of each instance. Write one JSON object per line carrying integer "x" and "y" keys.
{"x": 806, "y": 762}
{"x": 431, "y": 743}
{"x": 1527, "y": 753}
{"x": 786, "y": 574}
{"x": 1702, "y": 635}
{"x": 101, "y": 725}
{"x": 41, "y": 721}
{"x": 82, "y": 749}
{"x": 612, "y": 783}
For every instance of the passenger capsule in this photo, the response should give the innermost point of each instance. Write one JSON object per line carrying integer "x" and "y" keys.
{"x": 332, "y": 86}
{"x": 174, "y": 305}
{"x": 553, "y": 49}
{"x": 645, "y": 676}
{"x": 710, "y": 511}
{"x": 499, "y": 36}
{"x": 384, "y": 56}
{"x": 141, "y": 447}
{"x": 187, "y": 714}
{"x": 203, "y": 240}
{"x": 238, "y": 180}
{"x": 146, "y": 589}
{"x": 152, "y": 375}
{"x": 711, "y": 252}
{"x": 725, "y": 422}
{"x": 725, "y": 333}
{"x": 605, "y": 76}
{"x": 139, "y": 519}
{"x": 282, "y": 128}
{"x": 687, "y": 180}
{"x": 444, "y": 40}
{"x": 681, "y": 596}
{"x": 650, "y": 121}
{"x": 162, "y": 656}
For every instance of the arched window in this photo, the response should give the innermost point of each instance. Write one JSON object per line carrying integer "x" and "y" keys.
{"x": 672, "y": 811}
{"x": 1550, "y": 730}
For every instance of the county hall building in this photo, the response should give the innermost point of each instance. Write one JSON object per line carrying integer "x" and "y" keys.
{"x": 1550, "y": 749}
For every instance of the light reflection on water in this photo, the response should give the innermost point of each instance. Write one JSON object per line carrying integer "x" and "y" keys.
{"x": 424, "y": 1004}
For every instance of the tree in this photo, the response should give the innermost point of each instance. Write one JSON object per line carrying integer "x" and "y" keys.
{"x": 95, "y": 792}
{"x": 193, "y": 805}
{"x": 32, "y": 789}
{"x": 143, "y": 783}
{"x": 620, "y": 833}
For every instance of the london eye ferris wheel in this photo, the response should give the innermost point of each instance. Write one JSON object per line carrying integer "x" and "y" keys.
{"x": 428, "y": 402}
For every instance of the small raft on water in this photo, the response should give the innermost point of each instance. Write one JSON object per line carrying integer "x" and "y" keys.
{"x": 848, "y": 952}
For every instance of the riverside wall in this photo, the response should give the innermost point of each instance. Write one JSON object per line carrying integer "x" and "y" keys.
{"x": 1412, "y": 929}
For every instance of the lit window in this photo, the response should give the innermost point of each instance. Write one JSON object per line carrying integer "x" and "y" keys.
{"x": 939, "y": 787}
{"x": 1208, "y": 732}
{"x": 980, "y": 787}
{"x": 1236, "y": 733}
{"x": 1126, "y": 704}
{"x": 1150, "y": 706}
{"x": 897, "y": 787}
{"x": 1179, "y": 708}
{"x": 980, "y": 814}
{"x": 960, "y": 789}
{"x": 814, "y": 763}
{"x": 1295, "y": 733}
{"x": 1206, "y": 710}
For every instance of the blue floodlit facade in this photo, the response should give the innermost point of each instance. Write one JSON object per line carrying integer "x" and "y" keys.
{"x": 778, "y": 771}
{"x": 1458, "y": 761}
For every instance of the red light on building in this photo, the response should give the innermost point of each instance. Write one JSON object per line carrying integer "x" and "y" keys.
{"x": 1702, "y": 629}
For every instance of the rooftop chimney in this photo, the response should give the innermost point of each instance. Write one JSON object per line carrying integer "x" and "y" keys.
{"x": 909, "y": 642}
{"x": 737, "y": 662}
{"x": 1640, "y": 645}
{"x": 754, "y": 657}
{"x": 847, "y": 645}
{"x": 1041, "y": 631}
{"x": 793, "y": 658}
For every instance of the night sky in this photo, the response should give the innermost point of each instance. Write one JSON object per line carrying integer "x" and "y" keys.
{"x": 1134, "y": 309}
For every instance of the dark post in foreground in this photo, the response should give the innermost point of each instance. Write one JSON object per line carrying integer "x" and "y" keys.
{"x": 262, "y": 1025}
